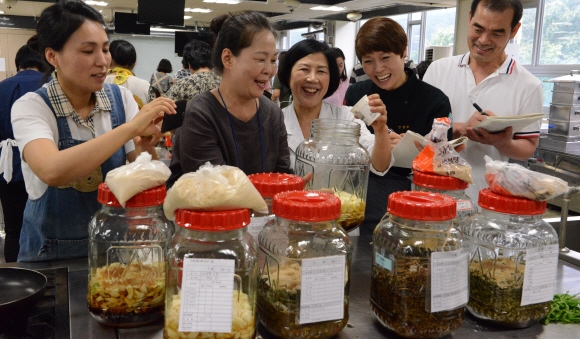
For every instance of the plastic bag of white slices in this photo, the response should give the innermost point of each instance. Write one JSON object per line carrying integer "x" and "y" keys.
{"x": 213, "y": 188}
{"x": 440, "y": 157}
{"x": 142, "y": 174}
{"x": 517, "y": 181}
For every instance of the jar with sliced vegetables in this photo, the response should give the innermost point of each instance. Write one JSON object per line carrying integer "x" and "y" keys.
{"x": 453, "y": 187}
{"x": 419, "y": 277}
{"x": 513, "y": 261}
{"x": 212, "y": 276}
{"x": 127, "y": 248}
{"x": 304, "y": 267}
{"x": 338, "y": 162}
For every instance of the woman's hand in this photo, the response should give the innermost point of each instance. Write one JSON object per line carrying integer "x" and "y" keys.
{"x": 377, "y": 106}
{"x": 145, "y": 122}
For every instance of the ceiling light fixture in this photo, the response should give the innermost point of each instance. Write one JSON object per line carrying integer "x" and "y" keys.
{"x": 354, "y": 16}
{"x": 186, "y": 17}
{"x": 198, "y": 10}
{"x": 1, "y": 12}
{"x": 227, "y": 2}
{"x": 96, "y": 3}
{"x": 328, "y": 8}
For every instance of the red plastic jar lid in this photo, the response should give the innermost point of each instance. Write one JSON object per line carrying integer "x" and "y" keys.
{"x": 438, "y": 182}
{"x": 213, "y": 221}
{"x": 306, "y": 206}
{"x": 510, "y": 205}
{"x": 270, "y": 184}
{"x": 416, "y": 205}
{"x": 151, "y": 197}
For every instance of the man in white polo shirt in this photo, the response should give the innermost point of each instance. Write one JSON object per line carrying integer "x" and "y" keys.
{"x": 487, "y": 76}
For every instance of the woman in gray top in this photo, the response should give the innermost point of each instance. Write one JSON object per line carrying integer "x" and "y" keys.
{"x": 235, "y": 124}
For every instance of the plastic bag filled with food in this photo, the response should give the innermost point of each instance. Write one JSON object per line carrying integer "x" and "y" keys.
{"x": 517, "y": 181}
{"x": 136, "y": 177}
{"x": 440, "y": 157}
{"x": 213, "y": 188}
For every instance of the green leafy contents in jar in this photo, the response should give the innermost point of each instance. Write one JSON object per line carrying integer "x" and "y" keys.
{"x": 279, "y": 305}
{"x": 398, "y": 301}
{"x": 495, "y": 294}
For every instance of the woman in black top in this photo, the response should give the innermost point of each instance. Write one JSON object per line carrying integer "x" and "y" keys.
{"x": 381, "y": 46}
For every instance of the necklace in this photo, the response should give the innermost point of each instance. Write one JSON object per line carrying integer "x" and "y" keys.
{"x": 234, "y": 132}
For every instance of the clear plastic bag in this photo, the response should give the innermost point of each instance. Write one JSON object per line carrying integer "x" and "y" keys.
{"x": 213, "y": 188}
{"x": 517, "y": 181}
{"x": 142, "y": 174}
{"x": 440, "y": 157}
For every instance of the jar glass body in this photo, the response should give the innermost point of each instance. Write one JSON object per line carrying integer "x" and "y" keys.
{"x": 400, "y": 290}
{"x": 465, "y": 206}
{"x": 499, "y": 243}
{"x": 338, "y": 162}
{"x": 283, "y": 247}
{"x": 127, "y": 249}
{"x": 259, "y": 220}
{"x": 237, "y": 245}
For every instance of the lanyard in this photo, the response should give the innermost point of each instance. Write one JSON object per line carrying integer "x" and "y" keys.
{"x": 234, "y": 132}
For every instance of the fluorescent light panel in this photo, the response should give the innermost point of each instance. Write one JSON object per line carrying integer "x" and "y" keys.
{"x": 328, "y": 8}
{"x": 227, "y": 2}
{"x": 96, "y": 3}
{"x": 198, "y": 10}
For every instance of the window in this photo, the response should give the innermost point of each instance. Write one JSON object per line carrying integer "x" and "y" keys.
{"x": 560, "y": 40}
{"x": 295, "y": 35}
{"x": 414, "y": 43}
{"x": 525, "y": 36}
{"x": 401, "y": 20}
{"x": 440, "y": 27}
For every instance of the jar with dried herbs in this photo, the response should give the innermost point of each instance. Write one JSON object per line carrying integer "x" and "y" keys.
{"x": 127, "y": 258}
{"x": 270, "y": 184}
{"x": 514, "y": 260}
{"x": 304, "y": 267}
{"x": 419, "y": 277}
{"x": 339, "y": 163}
{"x": 212, "y": 276}
{"x": 453, "y": 187}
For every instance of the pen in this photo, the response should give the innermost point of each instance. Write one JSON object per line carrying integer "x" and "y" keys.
{"x": 479, "y": 109}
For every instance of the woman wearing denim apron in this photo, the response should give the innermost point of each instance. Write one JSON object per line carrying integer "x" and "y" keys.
{"x": 73, "y": 131}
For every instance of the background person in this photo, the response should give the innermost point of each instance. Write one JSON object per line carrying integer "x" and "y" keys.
{"x": 337, "y": 98}
{"x": 184, "y": 71}
{"x": 123, "y": 60}
{"x": 281, "y": 93}
{"x": 487, "y": 76}
{"x": 72, "y": 131}
{"x": 235, "y": 124}
{"x": 13, "y": 194}
{"x": 161, "y": 80}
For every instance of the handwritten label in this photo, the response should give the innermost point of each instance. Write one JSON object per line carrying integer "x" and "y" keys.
{"x": 257, "y": 224}
{"x": 207, "y": 287}
{"x": 384, "y": 262}
{"x": 322, "y": 295}
{"x": 449, "y": 280}
{"x": 540, "y": 274}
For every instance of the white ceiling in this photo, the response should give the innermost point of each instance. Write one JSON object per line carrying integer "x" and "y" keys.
{"x": 302, "y": 13}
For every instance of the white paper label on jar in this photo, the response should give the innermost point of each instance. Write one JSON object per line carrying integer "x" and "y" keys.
{"x": 257, "y": 224}
{"x": 384, "y": 262}
{"x": 322, "y": 294}
{"x": 540, "y": 274}
{"x": 206, "y": 295}
{"x": 449, "y": 280}
{"x": 464, "y": 205}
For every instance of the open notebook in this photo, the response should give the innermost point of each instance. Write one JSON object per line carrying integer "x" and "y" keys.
{"x": 518, "y": 122}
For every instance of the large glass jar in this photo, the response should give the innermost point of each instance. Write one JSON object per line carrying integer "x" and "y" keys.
{"x": 338, "y": 162}
{"x": 453, "y": 187}
{"x": 212, "y": 276}
{"x": 419, "y": 277}
{"x": 513, "y": 261}
{"x": 304, "y": 267}
{"x": 270, "y": 184}
{"x": 127, "y": 258}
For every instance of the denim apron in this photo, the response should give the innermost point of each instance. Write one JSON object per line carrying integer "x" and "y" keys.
{"x": 55, "y": 226}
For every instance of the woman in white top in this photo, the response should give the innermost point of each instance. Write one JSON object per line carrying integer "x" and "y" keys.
{"x": 310, "y": 71}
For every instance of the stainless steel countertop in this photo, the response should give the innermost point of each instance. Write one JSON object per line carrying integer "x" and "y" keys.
{"x": 362, "y": 322}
